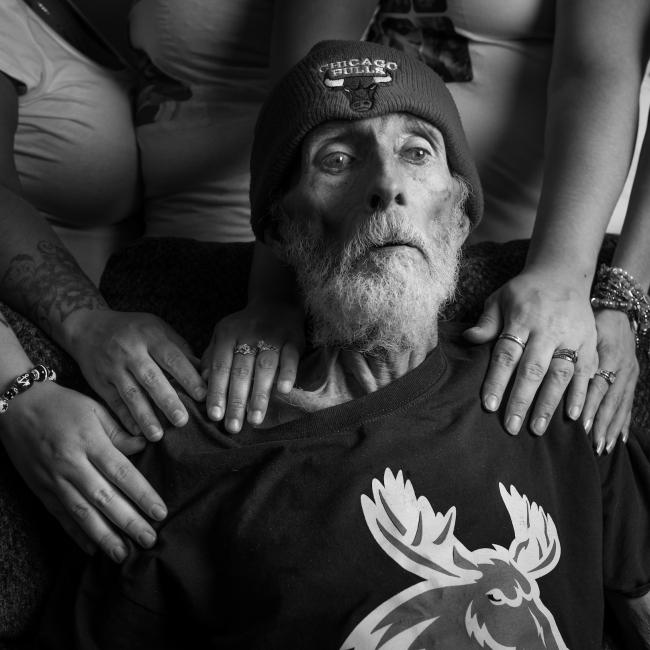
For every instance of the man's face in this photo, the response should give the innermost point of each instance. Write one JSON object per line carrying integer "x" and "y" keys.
{"x": 374, "y": 230}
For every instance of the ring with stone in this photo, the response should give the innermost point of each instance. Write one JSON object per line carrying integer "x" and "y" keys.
{"x": 245, "y": 349}
{"x": 567, "y": 354}
{"x": 513, "y": 337}
{"x": 608, "y": 375}
{"x": 263, "y": 346}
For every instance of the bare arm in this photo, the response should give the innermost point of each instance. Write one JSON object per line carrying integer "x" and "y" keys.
{"x": 121, "y": 355}
{"x": 598, "y": 60}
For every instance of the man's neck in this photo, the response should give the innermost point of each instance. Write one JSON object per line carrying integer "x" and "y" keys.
{"x": 331, "y": 376}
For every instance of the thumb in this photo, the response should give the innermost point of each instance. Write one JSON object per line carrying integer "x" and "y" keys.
{"x": 488, "y": 325}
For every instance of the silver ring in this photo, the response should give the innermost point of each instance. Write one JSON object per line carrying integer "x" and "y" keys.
{"x": 263, "y": 346}
{"x": 608, "y": 375}
{"x": 244, "y": 349}
{"x": 512, "y": 337}
{"x": 567, "y": 354}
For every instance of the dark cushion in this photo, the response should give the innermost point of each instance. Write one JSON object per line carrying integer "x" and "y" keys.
{"x": 191, "y": 285}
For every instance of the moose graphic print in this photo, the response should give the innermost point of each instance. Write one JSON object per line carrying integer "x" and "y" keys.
{"x": 482, "y": 598}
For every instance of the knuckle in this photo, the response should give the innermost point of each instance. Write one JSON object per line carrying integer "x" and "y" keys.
{"x": 266, "y": 362}
{"x": 220, "y": 367}
{"x": 240, "y": 372}
{"x": 532, "y": 370}
{"x": 504, "y": 357}
{"x": 149, "y": 377}
{"x": 119, "y": 473}
{"x": 131, "y": 394}
{"x": 173, "y": 357}
{"x": 260, "y": 398}
{"x": 562, "y": 374}
{"x": 102, "y": 497}
{"x": 80, "y": 511}
{"x": 236, "y": 404}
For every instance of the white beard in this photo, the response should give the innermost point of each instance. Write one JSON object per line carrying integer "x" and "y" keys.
{"x": 375, "y": 301}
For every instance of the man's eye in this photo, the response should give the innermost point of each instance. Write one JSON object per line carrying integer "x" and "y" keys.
{"x": 336, "y": 162}
{"x": 416, "y": 154}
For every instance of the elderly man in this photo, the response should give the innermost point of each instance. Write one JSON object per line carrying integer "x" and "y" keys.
{"x": 380, "y": 507}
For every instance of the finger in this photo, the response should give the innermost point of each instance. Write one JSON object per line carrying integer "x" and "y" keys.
{"x": 595, "y": 394}
{"x": 122, "y": 441}
{"x": 577, "y": 391}
{"x": 92, "y": 523}
{"x": 619, "y": 425}
{"x": 488, "y": 325}
{"x": 605, "y": 414}
{"x": 120, "y": 473}
{"x": 532, "y": 369}
{"x": 119, "y": 408}
{"x": 139, "y": 406}
{"x": 219, "y": 366}
{"x": 180, "y": 365}
{"x": 555, "y": 382}
{"x": 266, "y": 365}
{"x": 289, "y": 359}
{"x": 241, "y": 376}
{"x": 153, "y": 380}
{"x": 503, "y": 363}
{"x": 625, "y": 431}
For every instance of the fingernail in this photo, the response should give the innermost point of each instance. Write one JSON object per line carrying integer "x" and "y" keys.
{"x": 158, "y": 511}
{"x": 154, "y": 431}
{"x": 255, "y": 417}
{"x": 539, "y": 426}
{"x": 610, "y": 446}
{"x": 215, "y": 413}
{"x": 491, "y": 402}
{"x": 624, "y": 437}
{"x": 179, "y": 418}
{"x": 205, "y": 374}
{"x": 199, "y": 393}
{"x": 600, "y": 447}
{"x": 146, "y": 539}
{"x": 233, "y": 425}
{"x": 574, "y": 412}
{"x": 118, "y": 554}
{"x": 513, "y": 424}
{"x": 588, "y": 424}
{"x": 284, "y": 386}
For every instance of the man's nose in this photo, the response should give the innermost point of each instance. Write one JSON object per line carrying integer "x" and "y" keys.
{"x": 385, "y": 186}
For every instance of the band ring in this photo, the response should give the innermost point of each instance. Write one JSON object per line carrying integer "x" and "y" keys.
{"x": 512, "y": 337}
{"x": 567, "y": 354}
{"x": 608, "y": 375}
{"x": 244, "y": 349}
{"x": 263, "y": 346}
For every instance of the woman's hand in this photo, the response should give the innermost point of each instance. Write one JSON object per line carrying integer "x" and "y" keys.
{"x": 608, "y": 409}
{"x": 124, "y": 357}
{"x": 546, "y": 314}
{"x": 71, "y": 453}
{"x": 274, "y": 334}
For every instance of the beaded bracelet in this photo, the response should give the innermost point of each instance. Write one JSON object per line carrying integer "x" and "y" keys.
{"x": 616, "y": 289}
{"x": 25, "y": 381}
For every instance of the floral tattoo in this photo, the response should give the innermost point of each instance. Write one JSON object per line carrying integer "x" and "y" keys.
{"x": 49, "y": 286}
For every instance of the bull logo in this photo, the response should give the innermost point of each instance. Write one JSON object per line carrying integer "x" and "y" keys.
{"x": 487, "y": 598}
{"x": 360, "y": 88}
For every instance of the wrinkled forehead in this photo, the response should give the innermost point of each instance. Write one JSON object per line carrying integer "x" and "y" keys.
{"x": 392, "y": 125}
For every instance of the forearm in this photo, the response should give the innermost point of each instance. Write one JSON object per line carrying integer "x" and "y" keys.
{"x": 591, "y": 126}
{"x": 14, "y": 358}
{"x": 632, "y": 251}
{"x": 590, "y": 140}
{"x": 38, "y": 276}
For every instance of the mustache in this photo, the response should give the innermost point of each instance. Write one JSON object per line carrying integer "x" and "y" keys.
{"x": 383, "y": 228}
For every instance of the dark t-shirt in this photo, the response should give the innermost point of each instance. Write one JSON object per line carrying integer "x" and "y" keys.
{"x": 407, "y": 514}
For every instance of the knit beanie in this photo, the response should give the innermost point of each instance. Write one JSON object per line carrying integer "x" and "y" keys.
{"x": 350, "y": 80}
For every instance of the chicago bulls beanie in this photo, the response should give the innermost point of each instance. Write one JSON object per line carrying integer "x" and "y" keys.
{"x": 350, "y": 80}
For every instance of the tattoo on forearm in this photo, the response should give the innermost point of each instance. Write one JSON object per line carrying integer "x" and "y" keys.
{"x": 49, "y": 286}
